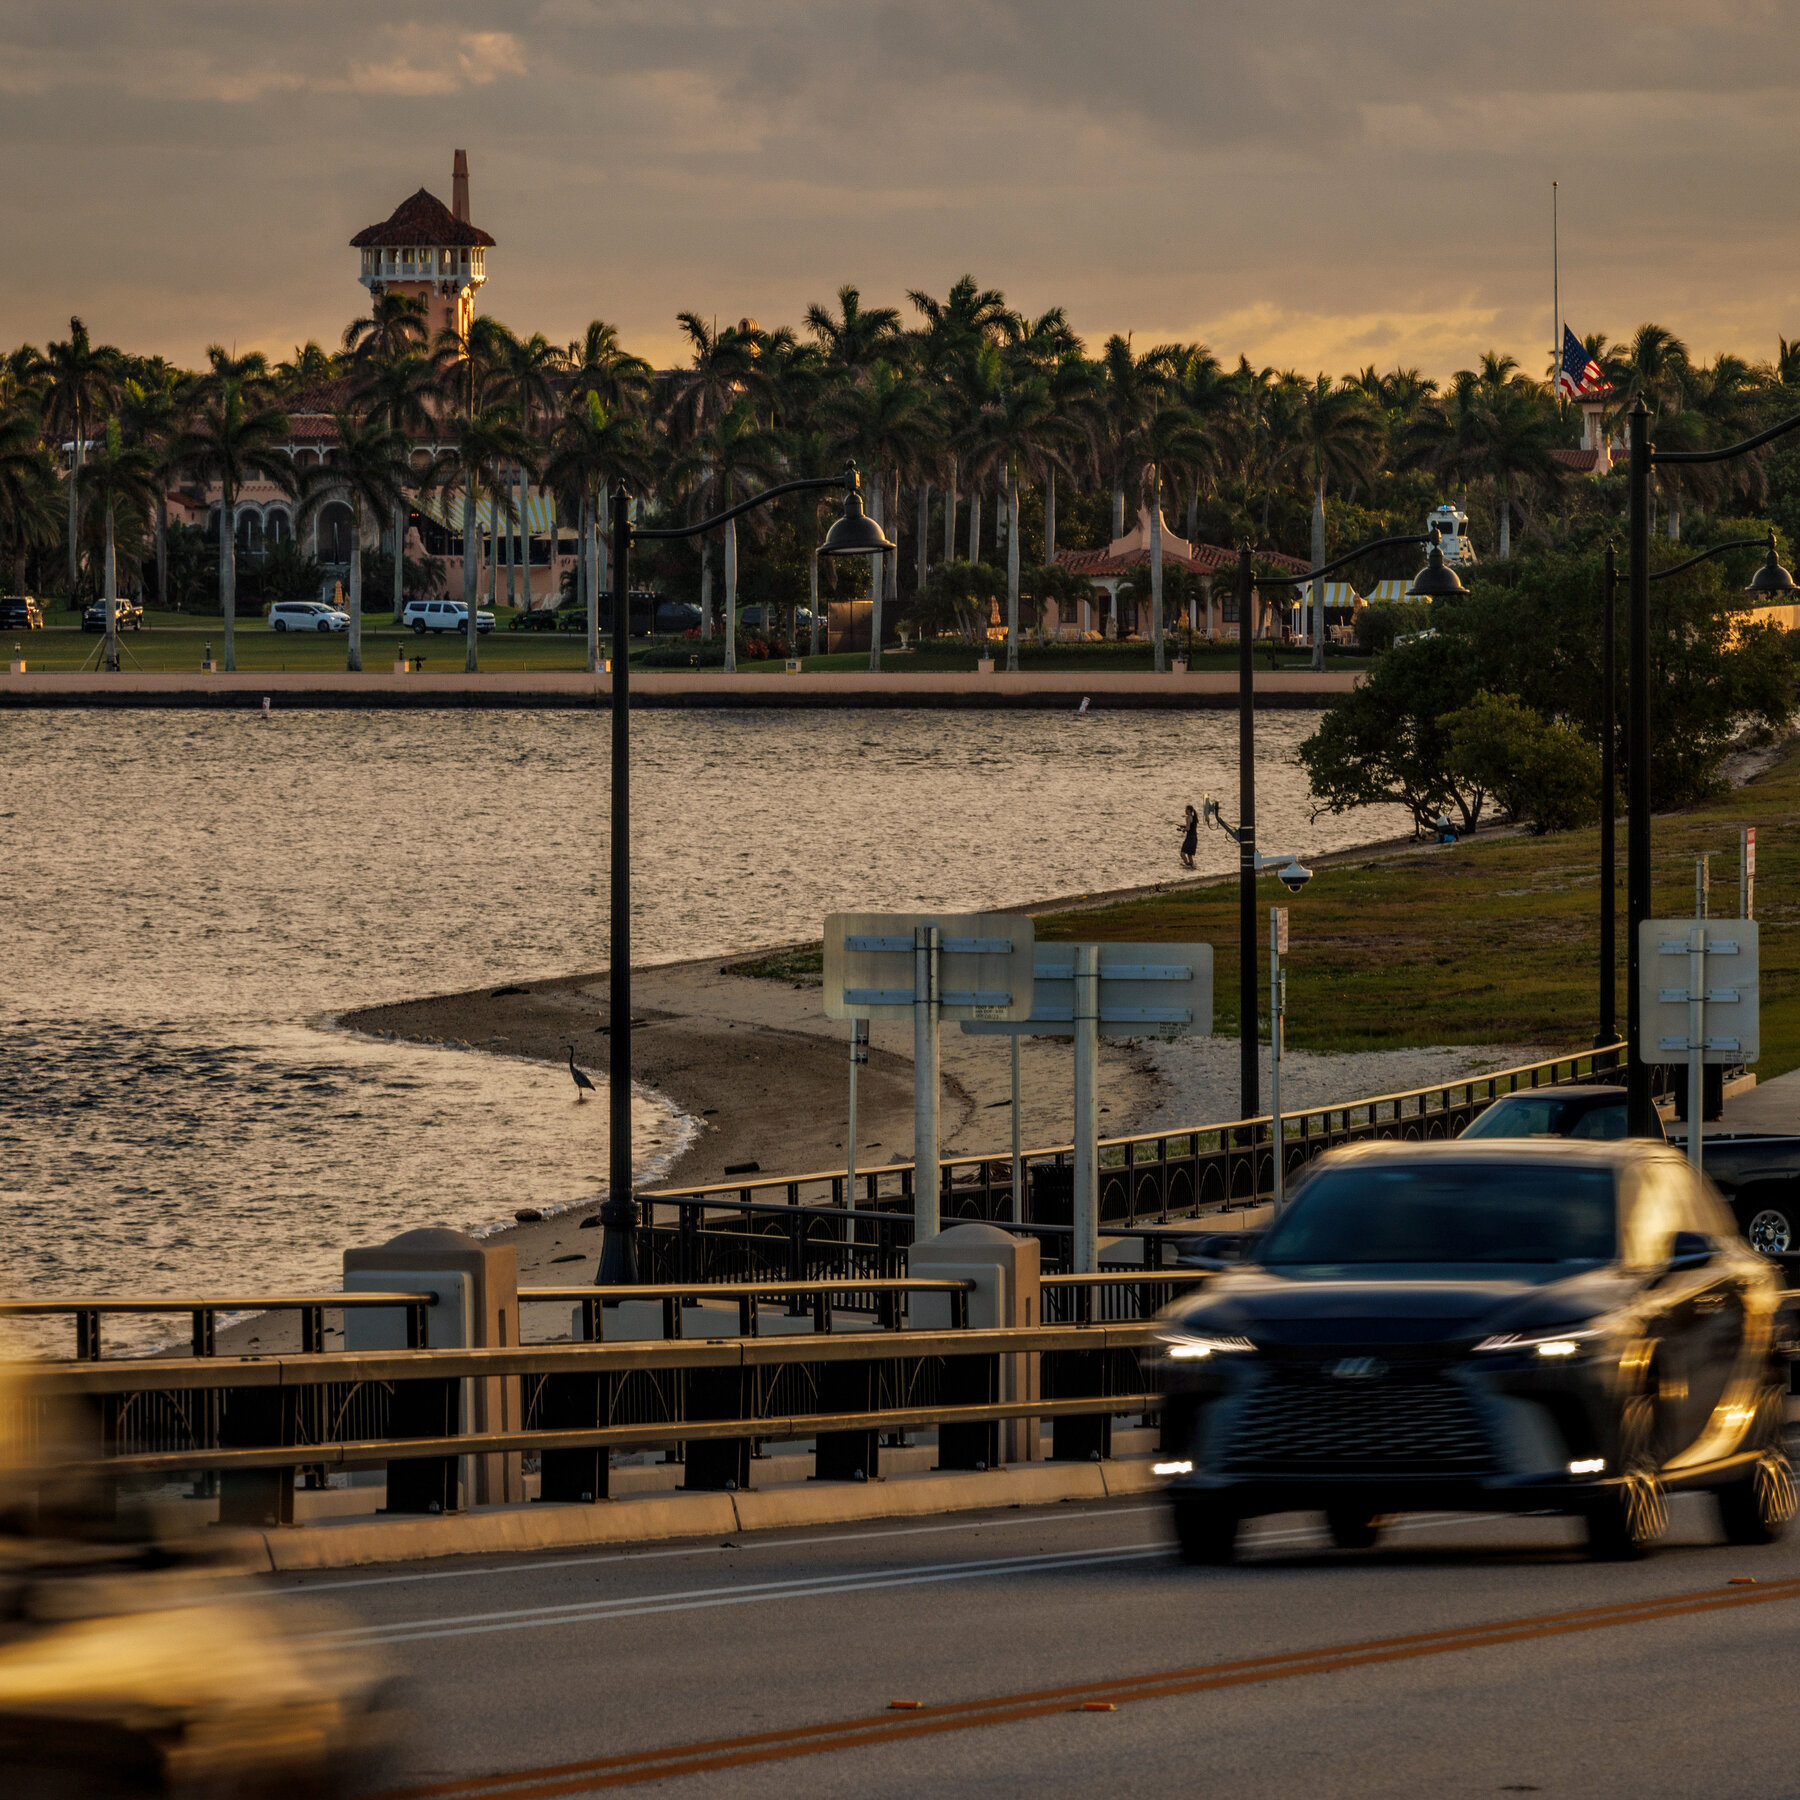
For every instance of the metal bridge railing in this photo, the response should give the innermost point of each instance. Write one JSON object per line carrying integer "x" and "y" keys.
{"x": 796, "y": 1226}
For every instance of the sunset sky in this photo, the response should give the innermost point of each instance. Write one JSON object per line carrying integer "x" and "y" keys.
{"x": 1317, "y": 185}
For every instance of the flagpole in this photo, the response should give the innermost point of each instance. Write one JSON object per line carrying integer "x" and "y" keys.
{"x": 1556, "y": 327}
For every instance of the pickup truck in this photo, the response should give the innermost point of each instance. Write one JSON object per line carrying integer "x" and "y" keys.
{"x": 1760, "y": 1179}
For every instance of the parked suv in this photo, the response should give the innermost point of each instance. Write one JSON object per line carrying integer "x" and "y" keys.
{"x": 22, "y": 614}
{"x": 306, "y": 615}
{"x": 443, "y": 615}
{"x": 127, "y": 615}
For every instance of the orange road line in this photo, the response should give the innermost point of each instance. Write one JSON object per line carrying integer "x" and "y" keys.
{"x": 965, "y": 1715}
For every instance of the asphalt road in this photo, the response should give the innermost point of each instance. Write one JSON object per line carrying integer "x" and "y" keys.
{"x": 1460, "y": 1657}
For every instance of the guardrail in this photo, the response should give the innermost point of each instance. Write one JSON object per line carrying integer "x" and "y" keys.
{"x": 205, "y": 1314}
{"x": 256, "y": 1420}
{"x": 797, "y": 1226}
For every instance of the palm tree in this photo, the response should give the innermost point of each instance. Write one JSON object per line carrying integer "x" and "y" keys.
{"x": 78, "y": 378}
{"x": 858, "y": 337}
{"x": 150, "y": 412}
{"x": 1020, "y": 428}
{"x": 1130, "y": 387}
{"x": 28, "y": 511}
{"x": 233, "y": 437}
{"x": 310, "y": 366}
{"x": 469, "y": 369}
{"x": 1171, "y": 438}
{"x": 479, "y": 447}
{"x": 396, "y": 386}
{"x": 1517, "y": 435}
{"x": 397, "y": 323}
{"x": 370, "y": 468}
{"x": 595, "y": 448}
{"x": 736, "y": 448}
{"x": 533, "y": 366}
{"x": 1338, "y": 434}
{"x": 121, "y": 475}
{"x": 885, "y": 424}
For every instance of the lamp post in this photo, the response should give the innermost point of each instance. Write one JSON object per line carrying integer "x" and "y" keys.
{"x": 853, "y": 534}
{"x": 1769, "y": 581}
{"x": 1434, "y": 581}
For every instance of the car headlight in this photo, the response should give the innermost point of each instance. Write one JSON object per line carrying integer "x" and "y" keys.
{"x": 1567, "y": 1342}
{"x": 1193, "y": 1347}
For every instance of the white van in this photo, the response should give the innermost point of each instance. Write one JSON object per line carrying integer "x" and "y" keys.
{"x": 443, "y": 615}
{"x": 306, "y": 615}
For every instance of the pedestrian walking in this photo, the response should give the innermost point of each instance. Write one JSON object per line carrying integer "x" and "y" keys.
{"x": 1190, "y": 836}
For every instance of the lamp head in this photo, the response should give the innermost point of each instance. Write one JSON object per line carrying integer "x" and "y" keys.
{"x": 1435, "y": 581}
{"x": 1771, "y": 582}
{"x": 854, "y": 533}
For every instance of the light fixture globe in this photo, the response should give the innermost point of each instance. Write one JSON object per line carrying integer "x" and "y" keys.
{"x": 1435, "y": 581}
{"x": 1771, "y": 582}
{"x": 854, "y": 533}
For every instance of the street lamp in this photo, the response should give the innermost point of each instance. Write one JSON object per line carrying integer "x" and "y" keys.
{"x": 854, "y": 534}
{"x": 1434, "y": 581}
{"x": 1769, "y": 580}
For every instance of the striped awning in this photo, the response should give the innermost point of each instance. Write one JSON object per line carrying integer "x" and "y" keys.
{"x": 1389, "y": 592}
{"x": 446, "y": 506}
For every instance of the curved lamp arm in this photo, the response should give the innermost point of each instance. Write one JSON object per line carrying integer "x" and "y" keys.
{"x": 848, "y": 479}
{"x": 1337, "y": 562}
{"x": 1761, "y": 543}
{"x": 1730, "y": 450}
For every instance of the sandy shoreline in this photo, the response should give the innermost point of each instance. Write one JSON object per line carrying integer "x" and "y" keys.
{"x": 761, "y": 1074}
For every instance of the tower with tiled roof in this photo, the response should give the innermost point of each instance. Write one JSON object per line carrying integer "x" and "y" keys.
{"x": 432, "y": 251}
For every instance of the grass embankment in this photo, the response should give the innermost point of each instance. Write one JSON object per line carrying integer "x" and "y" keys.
{"x": 1494, "y": 941}
{"x": 176, "y": 641}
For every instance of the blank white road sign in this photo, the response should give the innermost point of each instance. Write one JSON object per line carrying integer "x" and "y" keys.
{"x": 984, "y": 964}
{"x": 1730, "y": 1019}
{"x": 1146, "y": 990}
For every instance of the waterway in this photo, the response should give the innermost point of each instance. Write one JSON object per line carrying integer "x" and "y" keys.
{"x": 189, "y": 898}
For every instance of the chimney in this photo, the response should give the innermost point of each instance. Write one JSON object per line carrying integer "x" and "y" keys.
{"x": 459, "y": 187}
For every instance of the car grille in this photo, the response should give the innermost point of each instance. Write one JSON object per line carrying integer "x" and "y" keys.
{"x": 1317, "y": 1424}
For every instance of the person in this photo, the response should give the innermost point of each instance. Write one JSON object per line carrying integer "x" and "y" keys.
{"x": 1190, "y": 836}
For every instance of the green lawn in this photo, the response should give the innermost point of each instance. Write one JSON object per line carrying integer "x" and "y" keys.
{"x": 178, "y": 640}
{"x": 1492, "y": 942}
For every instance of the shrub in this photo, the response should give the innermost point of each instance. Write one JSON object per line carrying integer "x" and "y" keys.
{"x": 1541, "y": 772}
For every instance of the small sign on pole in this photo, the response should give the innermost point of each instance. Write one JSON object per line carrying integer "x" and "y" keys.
{"x": 1279, "y": 915}
{"x": 1747, "y": 873}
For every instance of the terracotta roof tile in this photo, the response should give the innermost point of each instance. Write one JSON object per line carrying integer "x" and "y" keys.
{"x": 1577, "y": 459}
{"x": 424, "y": 219}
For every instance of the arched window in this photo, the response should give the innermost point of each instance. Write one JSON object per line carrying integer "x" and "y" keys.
{"x": 278, "y": 528}
{"x": 335, "y": 525}
{"x": 249, "y": 533}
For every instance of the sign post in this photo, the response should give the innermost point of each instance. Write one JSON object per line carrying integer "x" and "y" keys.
{"x": 1278, "y": 942}
{"x": 1085, "y": 991}
{"x": 966, "y": 966}
{"x": 1747, "y": 872}
{"x": 1695, "y": 1022}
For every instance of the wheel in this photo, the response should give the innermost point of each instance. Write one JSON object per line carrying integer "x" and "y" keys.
{"x": 1352, "y": 1528}
{"x": 1206, "y": 1529}
{"x": 1770, "y": 1230}
{"x": 1626, "y": 1518}
{"x": 1756, "y": 1510}
{"x": 281, "y": 624}
{"x": 418, "y": 627}
{"x": 325, "y": 625}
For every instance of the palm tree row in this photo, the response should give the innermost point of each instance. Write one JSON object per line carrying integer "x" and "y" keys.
{"x": 972, "y": 404}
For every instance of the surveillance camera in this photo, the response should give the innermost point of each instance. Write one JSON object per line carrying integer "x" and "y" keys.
{"x": 1294, "y": 875}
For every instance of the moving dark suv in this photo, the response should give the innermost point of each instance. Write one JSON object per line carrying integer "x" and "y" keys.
{"x": 1495, "y": 1326}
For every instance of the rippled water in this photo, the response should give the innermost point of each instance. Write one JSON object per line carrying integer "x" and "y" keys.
{"x": 189, "y": 898}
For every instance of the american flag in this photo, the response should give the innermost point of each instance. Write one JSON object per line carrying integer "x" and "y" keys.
{"x": 1579, "y": 373}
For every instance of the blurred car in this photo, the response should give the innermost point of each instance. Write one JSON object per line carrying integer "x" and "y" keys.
{"x": 1573, "y": 1112}
{"x": 773, "y": 618}
{"x": 136, "y": 1662}
{"x": 127, "y": 616}
{"x": 307, "y": 615}
{"x": 538, "y": 618}
{"x": 23, "y": 614}
{"x": 444, "y": 615}
{"x": 1497, "y": 1326}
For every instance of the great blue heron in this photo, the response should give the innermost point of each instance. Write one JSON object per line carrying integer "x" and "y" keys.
{"x": 583, "y": 1087}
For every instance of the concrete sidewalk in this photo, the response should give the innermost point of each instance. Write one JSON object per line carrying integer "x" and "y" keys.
{"x": 1054, "y": 691}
